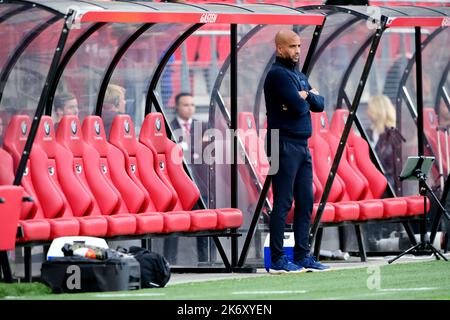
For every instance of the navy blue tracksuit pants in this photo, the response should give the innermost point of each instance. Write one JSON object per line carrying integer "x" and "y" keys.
{"x": 292, "y": 181}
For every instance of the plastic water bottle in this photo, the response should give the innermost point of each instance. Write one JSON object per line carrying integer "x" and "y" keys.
{"x": 82, "y": 250}
{"x": 85, "y": 252}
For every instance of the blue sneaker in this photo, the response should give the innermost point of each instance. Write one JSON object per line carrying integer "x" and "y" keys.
{"x": 283, "y": 265}
{"x": 311, "y": 264}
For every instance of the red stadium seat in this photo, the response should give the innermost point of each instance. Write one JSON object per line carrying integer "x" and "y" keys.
{"x": 14, "y": 141}
{"x": 7, "y": 178}
{"x": 169, "y": 159}
{"x": 10, "y": 206}
{"x": 321, "y": 157}
{"x": 112, "y": 164}
{"x": 43, "y": 173}
{"x": 32, "y": 221}
{"x": 34, "y": 227}
{"x": 122, "y": 135}
{"x": 357, "y": 186}
{"x": 106, "y": 197}
{"x": 319, "y": 149}
{"x": 430, "y": 129}
{"x": 137, "y": 160}
{"x": 54, "y": 176}
{"x": 393, "y": 207}
{"x": 254, "y": 146}
{"x": 328, "y": 214}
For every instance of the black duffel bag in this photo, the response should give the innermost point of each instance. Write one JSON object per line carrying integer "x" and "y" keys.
{"x": 74, "y": 274}
{"x": 155, "y": 270}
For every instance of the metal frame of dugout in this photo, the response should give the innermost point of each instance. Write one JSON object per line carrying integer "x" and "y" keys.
{"x": 385, "y": 18}
{"x": 77, "y": 21}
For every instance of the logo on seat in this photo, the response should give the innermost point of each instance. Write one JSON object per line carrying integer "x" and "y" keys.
{"x": 126, "y": 125}
{"x": 133, "y": 168}
{"x": 51, "y": 170}
{"x": 23, "y": 128}
{"x": 73, "y": 126}
{"x": 25, "y": 173}
{"x": 158, "y": 124}
{"x": 322, "y": 121}
{"x": 78, "y": 168}
{"x": 249, "y": 123}
{"x": 46, "y": 128}
{"x": 161, "y": 165}
{"x": 104, "y": 169}
{"x": 97, "y": 127}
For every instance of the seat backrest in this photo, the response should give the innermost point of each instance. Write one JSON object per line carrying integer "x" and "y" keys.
{"x": 7, "y": 179}
{"x": 60, "y": 192}
{"x": 317, "y": 187}
{"x": 6, "y": 168}
{"x": 357, "y": 185}
{"x": 86, "y": 166}
{"x": 169, "y": 157}
{"x": 430, "y": 128}
{"x": 14, "y": 142}
{"x": 16, "y": 136}
{"x": 140, "y": 164}
{"x": 10, "y": 208}
{"x": 321, "y": 159}
{"x": 254, "y": 147}
{"x": 430, "y": 125}
{"x": 112, "y": 164}
{"x": 361, "y": 154}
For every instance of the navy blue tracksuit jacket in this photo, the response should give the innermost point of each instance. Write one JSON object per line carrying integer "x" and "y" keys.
{"x": 290, "y": 114}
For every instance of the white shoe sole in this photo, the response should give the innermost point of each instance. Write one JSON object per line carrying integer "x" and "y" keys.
{"x": 317, "y": 270}
{"x": 273, "y": 271}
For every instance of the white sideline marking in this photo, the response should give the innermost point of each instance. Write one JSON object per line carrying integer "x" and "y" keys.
{"x": 107, "y": 295}
{"x": 379, "y": 292}
{"x": 270, "y": 292}
{"x": 351, "y": 297}
{"x": 407, "y": 289}
{"x": 122, "y": 295}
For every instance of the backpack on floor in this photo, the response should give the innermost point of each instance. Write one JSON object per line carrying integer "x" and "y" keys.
{"x": 155, "y": 270}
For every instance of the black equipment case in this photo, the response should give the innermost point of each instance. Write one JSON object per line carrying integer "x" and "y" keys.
{"x": 74, "y": 274}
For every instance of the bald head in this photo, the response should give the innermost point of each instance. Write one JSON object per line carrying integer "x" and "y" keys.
{"x": 283, "y": 36}
{"x": 287, "y": 44}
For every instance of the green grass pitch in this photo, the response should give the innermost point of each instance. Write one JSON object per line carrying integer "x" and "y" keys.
{"x": 409, "y": 281}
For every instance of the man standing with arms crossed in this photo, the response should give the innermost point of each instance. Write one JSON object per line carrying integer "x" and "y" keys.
{"x": 289, "y": 100}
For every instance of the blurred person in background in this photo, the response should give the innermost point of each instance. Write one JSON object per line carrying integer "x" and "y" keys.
{"x": 64, "y": 103}
{"x": 114, "y": 103}
{"x": 189, "y": 134}
{"x": 385, "y": 136}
